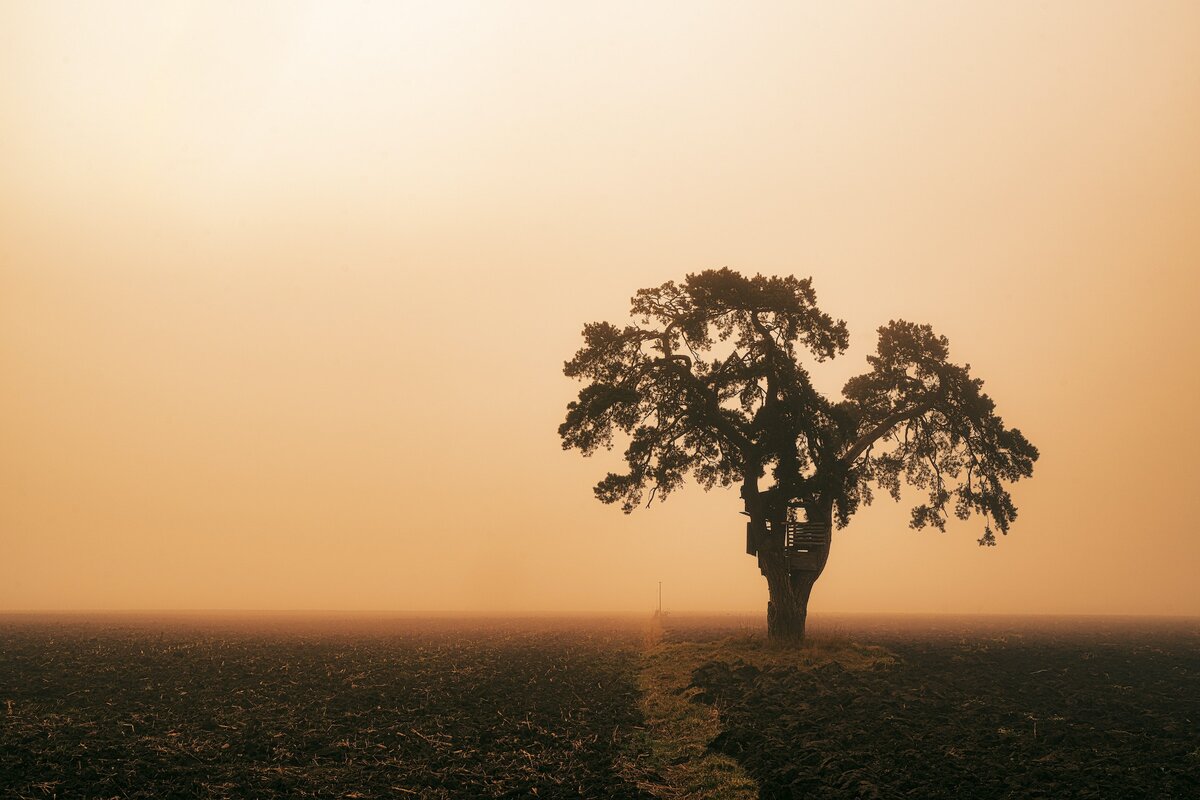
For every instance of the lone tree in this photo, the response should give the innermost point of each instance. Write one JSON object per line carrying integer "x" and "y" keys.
{"x": 711, "y": 382}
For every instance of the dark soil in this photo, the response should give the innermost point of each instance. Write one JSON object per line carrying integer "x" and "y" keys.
{"x": 1107, "y": 710}
{"x": 126, "y": 708}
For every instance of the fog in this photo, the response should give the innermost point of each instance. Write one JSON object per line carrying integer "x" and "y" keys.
{"x": 285, "y": 290}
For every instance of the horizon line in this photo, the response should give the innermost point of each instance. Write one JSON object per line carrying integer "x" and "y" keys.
{"x": 511, "y": 614}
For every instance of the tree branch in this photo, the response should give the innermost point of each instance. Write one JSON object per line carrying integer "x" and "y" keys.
{"x": 870, "y": 437}
{"x": 713, "y": 406}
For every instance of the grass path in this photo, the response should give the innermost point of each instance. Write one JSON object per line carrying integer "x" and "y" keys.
{"x": 669, "y": 756}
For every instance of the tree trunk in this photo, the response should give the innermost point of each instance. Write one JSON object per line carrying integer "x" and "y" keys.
{"x": 787, "y": 608}
{"x": 788, "y": 589}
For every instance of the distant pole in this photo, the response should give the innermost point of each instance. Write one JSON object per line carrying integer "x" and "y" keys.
{"x": 660, "y": 598}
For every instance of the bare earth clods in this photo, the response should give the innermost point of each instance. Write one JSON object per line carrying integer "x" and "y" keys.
{"x": 1105, "y": 713}
{"x": 146, "y": 710}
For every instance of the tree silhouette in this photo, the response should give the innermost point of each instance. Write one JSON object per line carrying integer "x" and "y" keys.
{"x": 710, "y": 382}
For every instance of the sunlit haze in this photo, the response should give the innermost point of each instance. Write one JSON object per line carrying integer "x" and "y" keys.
{"x": 286, "y": 290}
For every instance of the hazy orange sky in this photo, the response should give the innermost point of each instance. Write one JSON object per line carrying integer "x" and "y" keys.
{"x": 285, "y": 289}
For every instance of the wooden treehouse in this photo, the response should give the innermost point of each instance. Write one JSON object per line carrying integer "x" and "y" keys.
{"x": 805, "y": 544}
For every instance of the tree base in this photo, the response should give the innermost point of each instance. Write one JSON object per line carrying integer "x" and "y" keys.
{"x": 787, "y": 610}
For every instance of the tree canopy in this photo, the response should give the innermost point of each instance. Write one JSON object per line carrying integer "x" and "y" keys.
{"x": 711, "y": 380}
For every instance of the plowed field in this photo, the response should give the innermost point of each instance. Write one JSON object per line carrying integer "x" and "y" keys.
{"x": 120, "y": 707}
{"x": 146, "y": 709}
{"x": 982, "y": 709}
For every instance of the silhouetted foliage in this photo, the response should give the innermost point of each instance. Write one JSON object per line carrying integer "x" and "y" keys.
{"x": 710, "y": 380}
